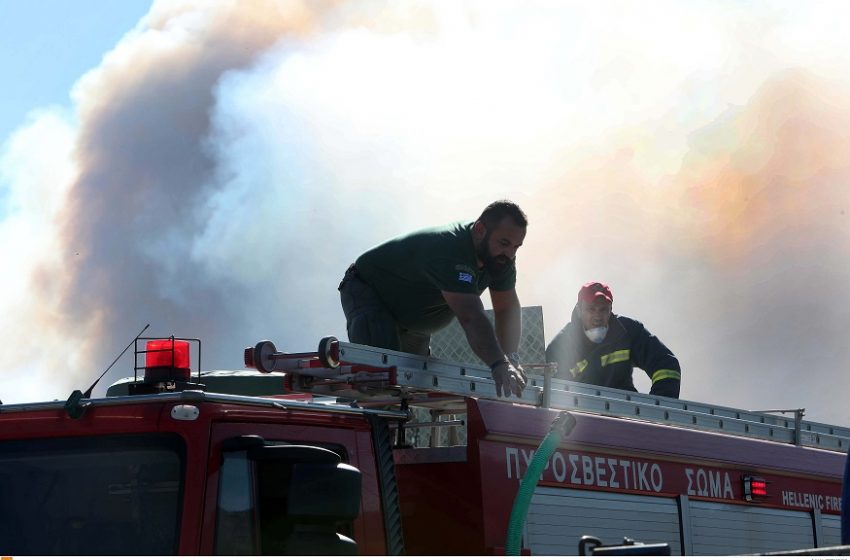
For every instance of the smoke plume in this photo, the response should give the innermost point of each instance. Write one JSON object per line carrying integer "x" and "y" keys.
{"x": 227, "y": 161}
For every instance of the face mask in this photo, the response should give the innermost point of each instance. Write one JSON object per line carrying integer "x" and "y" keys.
{"x": 596, "y": 335}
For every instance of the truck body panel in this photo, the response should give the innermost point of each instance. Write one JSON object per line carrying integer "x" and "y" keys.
{"x": 613, "y": 478}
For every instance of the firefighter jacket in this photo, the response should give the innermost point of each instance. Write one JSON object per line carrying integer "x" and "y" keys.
{"x": 627, "y": 344}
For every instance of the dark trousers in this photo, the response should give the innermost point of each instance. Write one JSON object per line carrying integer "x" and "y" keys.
{"x": 369, "y": 322}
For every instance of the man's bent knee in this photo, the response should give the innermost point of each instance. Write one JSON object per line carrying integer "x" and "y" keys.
{"x": 374, "y": 329}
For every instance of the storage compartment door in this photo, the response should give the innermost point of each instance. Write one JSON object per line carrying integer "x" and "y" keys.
{"x": 559, "y": 517}
{"x": 720, "y": 529}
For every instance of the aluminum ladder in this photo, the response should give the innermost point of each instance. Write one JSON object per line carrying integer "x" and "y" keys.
{"x": 375, "y": 377}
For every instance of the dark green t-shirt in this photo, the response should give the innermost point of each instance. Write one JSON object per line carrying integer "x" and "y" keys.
{"x": 410, "y": 271}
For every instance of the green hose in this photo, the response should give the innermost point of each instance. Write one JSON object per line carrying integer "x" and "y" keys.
{"x": 561, "y": 426}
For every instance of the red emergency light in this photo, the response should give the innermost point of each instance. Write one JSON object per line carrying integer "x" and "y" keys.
{"x": 167, "y": 360}
{"x": 755, "y": 488}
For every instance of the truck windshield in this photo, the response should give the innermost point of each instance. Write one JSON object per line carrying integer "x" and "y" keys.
{"x": 91, "y": 496}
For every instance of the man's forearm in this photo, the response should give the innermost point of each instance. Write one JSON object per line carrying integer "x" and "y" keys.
{"x": 482, "y": 338}
{"x": 509, "y": 328}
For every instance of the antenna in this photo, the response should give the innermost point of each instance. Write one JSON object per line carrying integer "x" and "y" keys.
{"x": 72, "y": 406}
{"x": 87, "y": 394}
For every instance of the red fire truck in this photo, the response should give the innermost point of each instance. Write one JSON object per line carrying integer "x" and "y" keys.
{"x": 351, "y": 449}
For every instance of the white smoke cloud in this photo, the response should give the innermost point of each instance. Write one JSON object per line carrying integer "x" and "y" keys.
{"x": 37, "y": 170}
{"x": 229, "y": 162}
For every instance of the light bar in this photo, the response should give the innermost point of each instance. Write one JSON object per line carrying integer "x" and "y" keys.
{"x": 755, "y": 488}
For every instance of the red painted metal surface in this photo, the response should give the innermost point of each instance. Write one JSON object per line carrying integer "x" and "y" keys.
{"x": 458, "y": 500}
{"x": 514, "y": 422}
{"x": 203, "y": 437}
{"x": 440, "y": 501}
{"x": 470, "y": 499}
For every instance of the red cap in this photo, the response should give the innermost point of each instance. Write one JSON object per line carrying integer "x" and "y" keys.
{"x": 592, "y": 290}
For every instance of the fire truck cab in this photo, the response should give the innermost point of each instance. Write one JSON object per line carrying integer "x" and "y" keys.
{"x": 193, "y": 473}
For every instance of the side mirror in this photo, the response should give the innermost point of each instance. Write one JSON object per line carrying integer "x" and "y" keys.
{"x": 304, "y": 494}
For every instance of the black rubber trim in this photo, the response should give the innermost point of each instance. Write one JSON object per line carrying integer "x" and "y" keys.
{"x": 382, "y": 443}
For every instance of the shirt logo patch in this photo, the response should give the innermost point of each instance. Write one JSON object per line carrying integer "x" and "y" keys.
{"x": 465, "y": 277}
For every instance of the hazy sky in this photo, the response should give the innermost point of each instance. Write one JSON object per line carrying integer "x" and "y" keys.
{"x": 47, "y": 45}
{"x": 211, "y": 168}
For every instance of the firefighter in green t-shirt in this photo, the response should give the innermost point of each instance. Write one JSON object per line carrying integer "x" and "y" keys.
{"x": 398, "y": 293}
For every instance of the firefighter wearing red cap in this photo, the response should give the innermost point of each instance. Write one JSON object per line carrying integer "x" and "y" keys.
{"x": 601, "y": 348}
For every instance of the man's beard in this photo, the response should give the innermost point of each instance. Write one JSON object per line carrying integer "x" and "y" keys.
{"x": 493, "y": 265}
